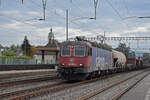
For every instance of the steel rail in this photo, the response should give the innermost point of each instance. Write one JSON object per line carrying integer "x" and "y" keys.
{"x": 116, "y": 97}
{"x": 14, "y": 83}
{"x": 60, "y": 87}
{"x": 28, "y": 90}
{"x": 92, "y": 94}
{"x": 14, "y": 75}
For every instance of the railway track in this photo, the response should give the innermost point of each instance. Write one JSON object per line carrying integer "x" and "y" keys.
{"x": 21, "y": 82}
{"x": 15, "y": 75}
{"x": 50, "y": 88}
{"x": 5, "y": 95}
{"x": 117, "y": 96}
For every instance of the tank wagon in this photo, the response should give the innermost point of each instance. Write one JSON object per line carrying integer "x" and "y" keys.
{"x": 119, "y": 60}
{"x": 82, "y": 59}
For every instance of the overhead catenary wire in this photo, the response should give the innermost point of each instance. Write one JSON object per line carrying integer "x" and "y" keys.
{"x": 15, "y": 30}
{"x": 17, "y": 20}
{"x": 75, "y": 23}
{"x": 56, "y": 14}
{"x": 117, "y": 12}
{"x": 82, "y": 12}
{"x": 128, "y": 11}
{"x": 62, "y": 17}
{"x": 114, "y": 9}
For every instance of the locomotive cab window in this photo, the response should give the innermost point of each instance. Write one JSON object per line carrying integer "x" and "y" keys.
{"x": 88, "y": 51}
{"x": 79, "y": 51}
{"x": 65, "y": 51}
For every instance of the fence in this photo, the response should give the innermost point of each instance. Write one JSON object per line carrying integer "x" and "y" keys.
{"x": 8, "y": 61}
{"x": 19, "y": 61}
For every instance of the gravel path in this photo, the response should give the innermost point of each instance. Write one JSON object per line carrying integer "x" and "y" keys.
{"x": 75, "y": 92}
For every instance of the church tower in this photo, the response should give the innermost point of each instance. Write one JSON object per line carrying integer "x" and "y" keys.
{"x": 50, "y": 37}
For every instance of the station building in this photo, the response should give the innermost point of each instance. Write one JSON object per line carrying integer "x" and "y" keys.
{"x": 48, "y": 54}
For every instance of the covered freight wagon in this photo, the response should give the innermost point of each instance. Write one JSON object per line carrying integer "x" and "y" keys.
{"x": 101, "y": 59}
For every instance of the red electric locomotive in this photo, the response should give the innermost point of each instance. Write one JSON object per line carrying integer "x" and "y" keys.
{"x": 75, "y": 60}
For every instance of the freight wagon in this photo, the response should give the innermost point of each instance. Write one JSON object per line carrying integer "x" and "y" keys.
{"x": 133, "y": 63}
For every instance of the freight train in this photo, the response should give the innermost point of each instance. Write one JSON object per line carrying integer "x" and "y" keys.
{"x": 82, "y": 59}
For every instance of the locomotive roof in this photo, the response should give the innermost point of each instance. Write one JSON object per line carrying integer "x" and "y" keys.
{"x": 88, "y": 43}
{"x": 76, "y": 43}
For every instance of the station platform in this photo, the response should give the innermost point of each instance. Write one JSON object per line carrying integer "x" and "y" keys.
{"x": 140, "y": 92}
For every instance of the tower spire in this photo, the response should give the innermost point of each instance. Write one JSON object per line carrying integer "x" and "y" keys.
{"x": 50, "y": 36}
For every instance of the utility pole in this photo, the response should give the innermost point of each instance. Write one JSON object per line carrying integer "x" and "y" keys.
{"x": 95, "y": 5}
{"x": 0, "y": 2}
{"x": 44, "y": 7}
{"x": 67, "y": 25}
{"x": 22, "y": 1}
{"x": 104, "y": 38}
{"x": 137, "y": 43}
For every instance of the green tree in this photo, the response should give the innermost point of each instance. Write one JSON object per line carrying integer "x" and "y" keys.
{"x": 33, "y": 51}
{"x": 9, "y": 53}
{"x": 26, "y": 47}
{"x": 132, "y": 55}
{"x": 13, "y": 48}
{"x": 106, "y": 46}
{"x": 123, "y": 48}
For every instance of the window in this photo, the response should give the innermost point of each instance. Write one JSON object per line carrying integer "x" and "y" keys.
{"x": 65, "y": 51}
{"x": 88, "y": 51}
{"x": 79, "y": 51}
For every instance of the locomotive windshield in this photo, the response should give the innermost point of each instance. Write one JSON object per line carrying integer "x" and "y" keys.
{"x": 79, "y": 51}
{"x": 65, "y": 51}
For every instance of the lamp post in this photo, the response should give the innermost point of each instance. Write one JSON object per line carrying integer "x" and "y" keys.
{"x": 67, "y": 25}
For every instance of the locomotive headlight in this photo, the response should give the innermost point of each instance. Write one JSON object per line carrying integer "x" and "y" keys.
{"x": 81, "y": 64}
{"x": 63, "y": 64}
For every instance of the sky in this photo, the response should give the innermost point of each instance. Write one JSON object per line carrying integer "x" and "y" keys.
{"x": 18, "y": 20}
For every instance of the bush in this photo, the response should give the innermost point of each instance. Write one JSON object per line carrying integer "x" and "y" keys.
{"x": 9, "y": 53}
{"x": 16, "y": 57}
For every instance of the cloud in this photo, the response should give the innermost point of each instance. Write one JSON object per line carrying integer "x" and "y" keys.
{"x": 20, "y": 20}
